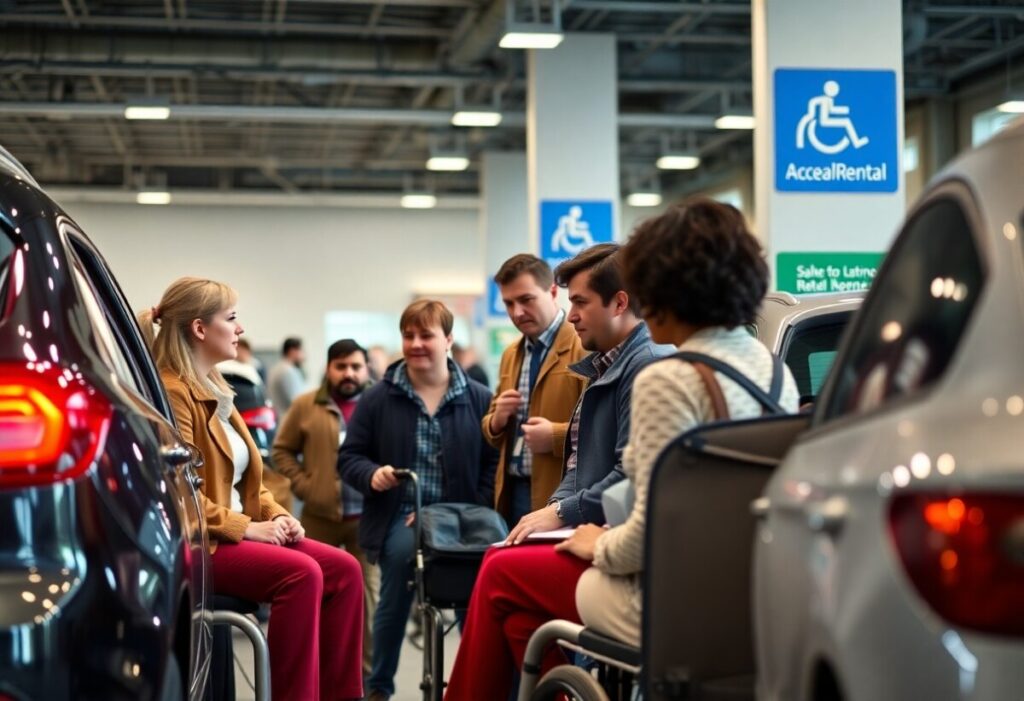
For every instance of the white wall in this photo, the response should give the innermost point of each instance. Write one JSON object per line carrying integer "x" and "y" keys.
{"x": 290, "y": 266}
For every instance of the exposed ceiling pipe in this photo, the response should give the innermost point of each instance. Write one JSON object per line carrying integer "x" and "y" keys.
{"x": 328, "y": 115}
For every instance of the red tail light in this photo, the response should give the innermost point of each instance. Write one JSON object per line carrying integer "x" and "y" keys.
{"x": 260, "y": 417}
{"x": 965, "y": 556}
{"x": 52, "y": 424}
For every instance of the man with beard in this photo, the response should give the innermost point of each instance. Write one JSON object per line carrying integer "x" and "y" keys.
{"x": 306, "y": 451}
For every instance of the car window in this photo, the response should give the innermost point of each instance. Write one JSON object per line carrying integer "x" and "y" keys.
{"x": 118, "y": 329}
{"x": 914, "y": 316}
{"x": 810, "y": 351}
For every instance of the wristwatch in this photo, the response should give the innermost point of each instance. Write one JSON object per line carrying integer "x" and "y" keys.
{"x": 558, "y": 510}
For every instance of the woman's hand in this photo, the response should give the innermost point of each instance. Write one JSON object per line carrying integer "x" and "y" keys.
{"x": 273, "y": 532}
{"x": 384, "y": 479}
{"x": 293, "y": 528}
{"x": 582, "y": 542}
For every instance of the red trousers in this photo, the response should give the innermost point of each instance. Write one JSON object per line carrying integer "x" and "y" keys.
{"x": 316, "y": 613}
{"x": 518, "y": 589}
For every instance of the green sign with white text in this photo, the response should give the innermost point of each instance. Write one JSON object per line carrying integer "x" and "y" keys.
{"x": 825, "y": 271}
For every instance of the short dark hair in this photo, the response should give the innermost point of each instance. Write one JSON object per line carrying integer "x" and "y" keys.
{"x": 604, "y": 262}
{"x": 291, "y": 343}
{"x": 344, "y": 348}
{"x": 699, "y": 262}
{"x": 525, "y": 263}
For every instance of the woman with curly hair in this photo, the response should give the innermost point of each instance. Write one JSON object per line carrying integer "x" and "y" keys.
{"x": 699, "y": 277}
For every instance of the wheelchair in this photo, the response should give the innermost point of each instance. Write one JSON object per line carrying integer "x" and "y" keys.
{"x": 697, "y": 639}
{"x": 451, "y": 540}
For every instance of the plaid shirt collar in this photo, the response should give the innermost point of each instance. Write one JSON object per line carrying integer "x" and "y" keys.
{"x": 457, "y": 383}
{"x": 547, "y": 336}
{"x": 603, "y": 361}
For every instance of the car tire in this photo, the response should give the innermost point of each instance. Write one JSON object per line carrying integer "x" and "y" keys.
{"x": 173, "y": 689}
{"x": 568, "y": 682}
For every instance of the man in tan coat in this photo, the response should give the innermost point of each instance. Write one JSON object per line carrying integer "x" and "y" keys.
{"x": 306, "y": 451}
{"x": 536, "y": 391}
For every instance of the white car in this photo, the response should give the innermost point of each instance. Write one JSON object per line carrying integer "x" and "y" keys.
{"x": 805, "y": 332}
{"x": 889, "y": 559}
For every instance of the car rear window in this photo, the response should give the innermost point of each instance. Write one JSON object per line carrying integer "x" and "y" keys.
{"x": 915, "y": 315}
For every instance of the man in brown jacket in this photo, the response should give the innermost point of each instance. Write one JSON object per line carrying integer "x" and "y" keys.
{"x": 306, "y": 451}
{"x": 536, "y": 391}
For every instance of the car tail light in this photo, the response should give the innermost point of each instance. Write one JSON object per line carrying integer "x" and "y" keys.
{"x": 965, "y": 556}
{"x": 260, "y": 417}
{"x": 52, "y": 425}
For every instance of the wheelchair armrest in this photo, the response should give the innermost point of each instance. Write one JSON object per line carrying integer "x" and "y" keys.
{"x": 609, "y": 647}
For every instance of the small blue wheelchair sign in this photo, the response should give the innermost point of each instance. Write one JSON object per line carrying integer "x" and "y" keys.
{"x": 495, "y": 307}
{"x": 835, "y": 130}
{"x": 569, "y": 226}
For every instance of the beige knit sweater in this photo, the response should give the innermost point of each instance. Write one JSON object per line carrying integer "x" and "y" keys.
{"x": 668, "y": 399}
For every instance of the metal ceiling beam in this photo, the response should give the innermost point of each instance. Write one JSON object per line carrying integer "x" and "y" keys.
{"x": 225, "y": 26}
{"x": 325, "y": 115}
{"x": 987, "y": 59}
{"x": 974, "y": 11}
{"x": 257, "y": 198}
{"x": 662, "y": 7}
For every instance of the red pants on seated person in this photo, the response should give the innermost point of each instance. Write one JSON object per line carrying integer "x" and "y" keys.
{"x": 316, "y": 613}
{"x": 518, "y": 589}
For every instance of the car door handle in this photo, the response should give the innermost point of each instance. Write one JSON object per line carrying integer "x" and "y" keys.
{"x": 176, "y": 455}
{"x": 827, "y": 516}
{"x": 759, "y": 508}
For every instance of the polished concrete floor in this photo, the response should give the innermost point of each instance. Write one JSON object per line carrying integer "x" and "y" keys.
{"x": 410, "y": 668}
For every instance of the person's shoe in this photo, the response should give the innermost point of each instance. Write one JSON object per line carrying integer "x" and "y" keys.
{"x": 377, "y": 695}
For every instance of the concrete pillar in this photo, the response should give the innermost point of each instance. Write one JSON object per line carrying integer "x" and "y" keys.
{"x": 828, "y": 99}
{"x": 505, "y": 228}
{"x": 572, "y": 145}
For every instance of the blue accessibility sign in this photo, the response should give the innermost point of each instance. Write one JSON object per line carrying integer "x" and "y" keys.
{"x": 835, "y": 130}
{"x": 569, "y": 226}
{"x": 495, "y": 306}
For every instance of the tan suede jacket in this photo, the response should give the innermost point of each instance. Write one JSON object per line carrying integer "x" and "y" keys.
{"x": 554, "y": 397}
{"x": 306, "y": 452}
{"x": 195, "y": 412}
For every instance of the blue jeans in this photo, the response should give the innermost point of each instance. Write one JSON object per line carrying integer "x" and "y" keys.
{"x": 396, "y": 570}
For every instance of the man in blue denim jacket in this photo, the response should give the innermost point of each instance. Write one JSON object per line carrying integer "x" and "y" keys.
{"x": 607, "y": 322}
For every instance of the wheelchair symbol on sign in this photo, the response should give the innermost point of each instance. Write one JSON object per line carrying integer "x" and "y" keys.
{"x": 822, "y": 111}
{"x": 573, "y": 234}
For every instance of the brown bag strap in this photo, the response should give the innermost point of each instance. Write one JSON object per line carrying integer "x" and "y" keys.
{"x": 714, "y": 389}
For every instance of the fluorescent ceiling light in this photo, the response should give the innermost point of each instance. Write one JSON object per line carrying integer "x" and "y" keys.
{"x": 419, "y": 201}
{"x": 153, "y": 197}
{"x": 447, "y": 163}
{"x": 1013, "y": 106}
{"x": 533, "y": 39}
{"x": 146, "y": 112}
{"x": 643, "y": 199}
{"x": 735, "y": 121}
{"x": 476, "y": 118}
{"x": 678, "y": 161}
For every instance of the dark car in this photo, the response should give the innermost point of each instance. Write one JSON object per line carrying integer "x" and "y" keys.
{"x": 103, "y": 555}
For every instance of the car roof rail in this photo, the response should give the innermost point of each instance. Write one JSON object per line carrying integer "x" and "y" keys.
{"x": 11, "y": 163}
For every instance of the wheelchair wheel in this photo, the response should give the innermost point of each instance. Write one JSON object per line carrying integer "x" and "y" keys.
{"x": 568, "y": 683}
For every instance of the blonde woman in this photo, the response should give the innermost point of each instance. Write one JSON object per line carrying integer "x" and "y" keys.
{"x": 257, "y": 549}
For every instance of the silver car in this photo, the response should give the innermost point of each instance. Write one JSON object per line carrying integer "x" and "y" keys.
{"x": 889, "y": 560}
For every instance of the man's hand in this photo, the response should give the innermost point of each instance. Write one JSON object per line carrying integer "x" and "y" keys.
{"x": 540, "y": 520}
{"x": 538, "y": 434}
{"x": 583, "y": 541}
{"x": 505, "y": 407}
{"x": 384, "y": 479}
{"x": 293, "y": 529}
